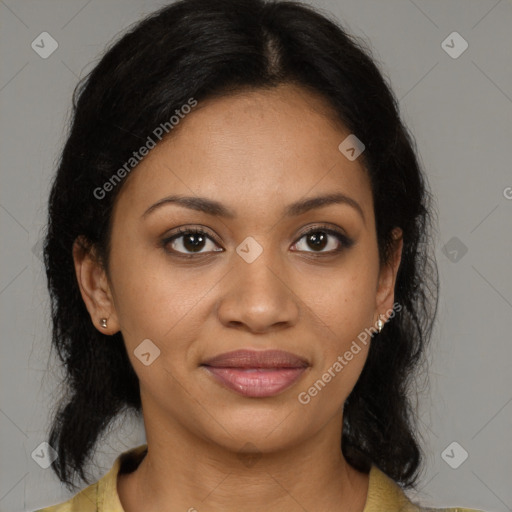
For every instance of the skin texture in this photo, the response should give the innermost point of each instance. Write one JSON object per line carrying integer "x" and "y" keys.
{"x": 255, "y": 152}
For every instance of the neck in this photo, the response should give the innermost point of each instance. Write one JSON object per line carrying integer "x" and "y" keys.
{"x": 185, "y": 472}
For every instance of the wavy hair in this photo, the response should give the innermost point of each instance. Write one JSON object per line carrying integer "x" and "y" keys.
{"x": 203, "y": 49}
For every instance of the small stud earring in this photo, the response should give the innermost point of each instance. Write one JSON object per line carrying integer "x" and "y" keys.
{"x": 103, "y": 322}
{"x": 380, "y": 324}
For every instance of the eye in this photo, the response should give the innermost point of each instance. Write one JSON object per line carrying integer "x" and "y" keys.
{"x": 188, "y": 242}
{"x": 189, "y": 239}
{"x": 321, "y": 237}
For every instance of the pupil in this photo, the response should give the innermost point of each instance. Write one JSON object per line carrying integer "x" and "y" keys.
{"x": 318, "y": 239}
{"x": 190, "y": 245}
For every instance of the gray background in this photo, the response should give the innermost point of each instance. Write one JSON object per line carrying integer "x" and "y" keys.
{"x": 460, "y": 111}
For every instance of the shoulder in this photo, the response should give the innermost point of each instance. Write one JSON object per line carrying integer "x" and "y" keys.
{"x": 453, "y": 509}
{"x": 385, "y": 495}
{"x": 102, "y": 496}
{"x": 84, "y": 501}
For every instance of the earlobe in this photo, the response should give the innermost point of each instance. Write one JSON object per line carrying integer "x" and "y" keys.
{"x": 94, "y": 287}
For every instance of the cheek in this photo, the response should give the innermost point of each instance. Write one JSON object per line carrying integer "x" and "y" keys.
{"x": 341, "y": 312}
{"x": 152, "y": 299}
{"x": 343, "y": 324}
{"x": 343, "y": 306}
{"x": 345, "y": 299}
{"x": 162, "y": 304}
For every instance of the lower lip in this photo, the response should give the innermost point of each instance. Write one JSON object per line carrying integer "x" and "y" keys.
{"x": 256, "y": 382}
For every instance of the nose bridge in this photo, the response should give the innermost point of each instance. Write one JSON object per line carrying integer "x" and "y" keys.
{"x": 258, "y": 295}
{"x": 256, "y": 267}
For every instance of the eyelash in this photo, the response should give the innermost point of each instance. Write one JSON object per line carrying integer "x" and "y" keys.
{"x": 345, "y": 242}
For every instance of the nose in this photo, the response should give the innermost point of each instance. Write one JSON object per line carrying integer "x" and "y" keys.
{"x": 258, "y": 296}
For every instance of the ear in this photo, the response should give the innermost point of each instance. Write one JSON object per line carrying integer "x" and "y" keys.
{"x": 387, "y": 277}
{"x": 94, "y": 286}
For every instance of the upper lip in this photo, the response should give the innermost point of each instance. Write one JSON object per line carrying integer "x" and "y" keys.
{"x": 257, "y": 359}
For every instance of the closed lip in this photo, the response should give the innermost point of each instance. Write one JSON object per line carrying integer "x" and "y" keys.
{"x": 257, "y": 359}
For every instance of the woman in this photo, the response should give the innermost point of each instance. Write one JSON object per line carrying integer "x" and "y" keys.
{"x": 238, "y": 250}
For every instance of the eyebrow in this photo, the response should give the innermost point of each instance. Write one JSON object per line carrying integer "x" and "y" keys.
{"x": 211, "y": 207}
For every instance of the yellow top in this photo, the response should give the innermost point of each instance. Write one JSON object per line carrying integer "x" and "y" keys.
{"x": 384, "y": 495}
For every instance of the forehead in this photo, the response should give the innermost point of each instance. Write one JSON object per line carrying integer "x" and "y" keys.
{"x": 264, "y": 148}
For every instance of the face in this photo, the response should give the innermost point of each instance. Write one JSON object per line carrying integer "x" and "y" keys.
{"x": 252, "y": 280}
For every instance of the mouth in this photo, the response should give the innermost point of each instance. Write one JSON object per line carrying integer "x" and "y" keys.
{"x": 256, "y": 374}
